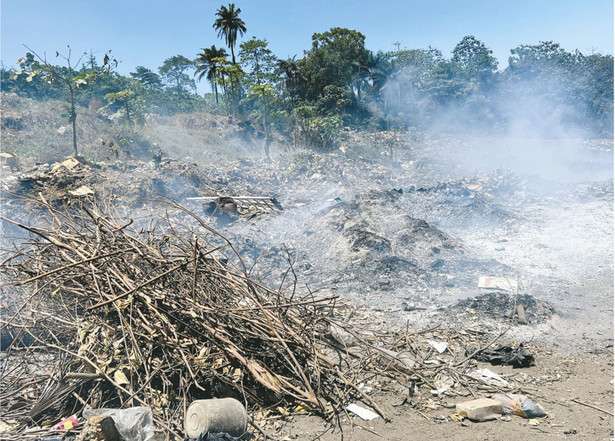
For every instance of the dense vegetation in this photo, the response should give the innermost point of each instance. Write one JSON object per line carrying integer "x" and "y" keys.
{"x": 340, "y": 83}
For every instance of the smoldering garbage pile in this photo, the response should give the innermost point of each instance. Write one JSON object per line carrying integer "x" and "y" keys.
{"x": 101, "y": 314}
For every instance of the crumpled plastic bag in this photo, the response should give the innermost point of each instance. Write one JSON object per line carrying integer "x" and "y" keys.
{"x": 134, "y": 423}
{"x": 515, "y": 404}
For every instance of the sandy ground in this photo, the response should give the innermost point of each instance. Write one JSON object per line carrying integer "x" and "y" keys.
{"x": 559, "y": 379}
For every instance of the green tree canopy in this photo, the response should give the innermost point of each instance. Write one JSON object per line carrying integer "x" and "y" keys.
{"x": 149, "y": 79}
{"x": 229, "y": 25}
{"x": 257, "y": 59}
{"x": 475, "y": 61}
{"x": 208, "y": 63}
{"x": 173, "y": 71}
{"x": 335, "y": 59}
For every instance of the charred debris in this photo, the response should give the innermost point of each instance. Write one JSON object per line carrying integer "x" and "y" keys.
{"x": 103, "y": 310}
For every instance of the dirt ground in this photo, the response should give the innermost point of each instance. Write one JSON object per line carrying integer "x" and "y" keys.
{"x": 407, "y": 237}
{"x": 561, "y": 378}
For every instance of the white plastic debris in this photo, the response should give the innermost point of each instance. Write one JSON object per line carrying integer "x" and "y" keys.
{"x": 361, "y": 412}
{"x": 442, "y": 383}
{"x": 134, "y": 423}
{"x": 404, "y": 360}
{"x": 366, "y": 389}
{"x": 488, "y": 377}
{"x": 81, "y": 191}
{"x": 439, "y": 346}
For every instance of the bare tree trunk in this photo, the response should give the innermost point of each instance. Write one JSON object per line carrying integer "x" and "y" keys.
{"x": 267, "y": 135}
{"x": 73, "y": 118}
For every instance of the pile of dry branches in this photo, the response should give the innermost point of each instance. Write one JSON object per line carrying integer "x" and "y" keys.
{"x": 160, "y": 316}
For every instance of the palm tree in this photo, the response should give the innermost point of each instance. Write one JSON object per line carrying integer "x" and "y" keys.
{"x": 228, "y": 24}
{"x": 208, "y": 63}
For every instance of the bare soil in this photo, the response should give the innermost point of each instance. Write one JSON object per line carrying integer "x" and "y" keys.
{"x": 557, "y": 380}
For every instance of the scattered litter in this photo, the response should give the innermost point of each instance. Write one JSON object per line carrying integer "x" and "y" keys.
{"x": 68, "y": 164}
{"x": 67, "y": 423}
{"x": 482, "y": 409}
{"x": 442, "y": 382}
{"x": 515, "y": 404}
{"x": 206, "y": 436}
{"x": 403, "y": 361}
{"x": 100, "y": 428}
{"x": 457, "y": 417}
{"x": 81, "y": 191}
{"x": 438, "y": 346}
{"x": 244, "y": 205}
{"x": 488, "y": 377}
{"x": 521, "y": 317}
{"x": 366, "y": 389}
{"x": 411, "y": 307}
{"x": 506, "y": 356}
{"x": 4, "y": 427}
{"x": 361, "y": 412}
{"x": 133, "y": 424}
{"x": 224, "y": 415}
{"x": 503, "y": 283}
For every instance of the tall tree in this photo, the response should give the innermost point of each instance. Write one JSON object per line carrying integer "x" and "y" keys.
{"x": 475, "y": 61}
{"x": 173, "y": 70}
{"x": 264, "y": 95}
{"x": 231, "y": 79}
{"x": 334, "y": 60}
{"x": 256, "y": 56}
{"x": 208, "y": 63}
{"x": 228, "y": 24}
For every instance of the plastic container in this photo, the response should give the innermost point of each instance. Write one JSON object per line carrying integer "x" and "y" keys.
{"x": 222, "y": 415}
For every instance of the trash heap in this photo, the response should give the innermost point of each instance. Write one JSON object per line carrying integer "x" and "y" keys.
{"x": 108, "y": 315}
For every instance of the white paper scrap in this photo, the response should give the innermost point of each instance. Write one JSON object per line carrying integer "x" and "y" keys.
{"x": 361, "y": 412}
{"x": 439, "y": 346}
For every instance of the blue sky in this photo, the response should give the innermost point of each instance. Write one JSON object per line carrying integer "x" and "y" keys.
{"x": 145, "y": 33}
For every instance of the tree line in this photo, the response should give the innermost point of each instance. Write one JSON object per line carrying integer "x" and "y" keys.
{"x": 339, "y": 83}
